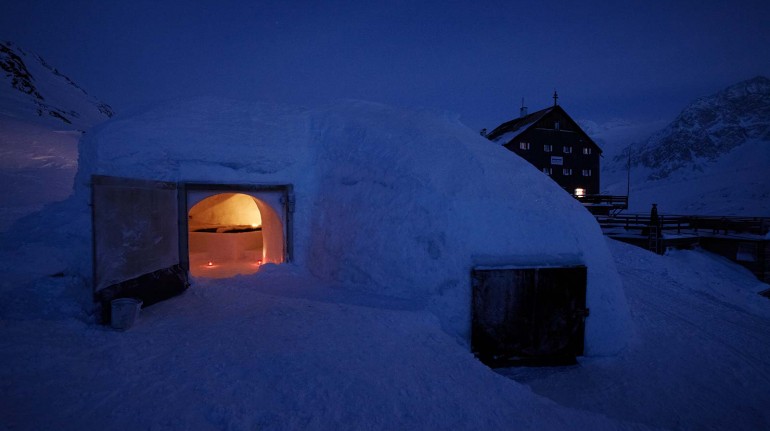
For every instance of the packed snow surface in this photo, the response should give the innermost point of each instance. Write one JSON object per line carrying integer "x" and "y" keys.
{"x": 280, "y": 350}
{"x": 273, "y": 351}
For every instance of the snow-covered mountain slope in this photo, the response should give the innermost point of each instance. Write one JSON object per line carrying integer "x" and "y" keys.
{"x": 709, "y": 128}
{"x": 615, "y": 135}
{"x": 42, "y": 116}
{"x": 712, "y": 159}
{"x": 33, "y": 89}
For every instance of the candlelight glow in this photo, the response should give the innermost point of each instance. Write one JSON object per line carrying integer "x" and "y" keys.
{"x": 228, "y": 228}
{"x": 225, "y": 209}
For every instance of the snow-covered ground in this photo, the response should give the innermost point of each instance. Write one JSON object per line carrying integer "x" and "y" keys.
{"x": 279, "y": 350}
{"x": 701, "y": 358}
{"x": 282, "y": 349}
{"x": 274, "y": 351}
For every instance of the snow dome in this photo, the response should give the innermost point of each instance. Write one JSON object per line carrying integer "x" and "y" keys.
{"x": 393, "y": 202}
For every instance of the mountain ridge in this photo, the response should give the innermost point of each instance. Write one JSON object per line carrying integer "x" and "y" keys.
{"x": 709, "y": 127}
{"x": 37, "y": 89}
{"x": 712, "y": 159}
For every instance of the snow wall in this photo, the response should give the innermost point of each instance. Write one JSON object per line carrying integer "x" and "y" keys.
{"x": 395, "y": 202}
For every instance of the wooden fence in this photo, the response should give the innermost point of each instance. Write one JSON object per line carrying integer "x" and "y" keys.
{"x": 743, "y": 240}
{"x": 688, "y": 224}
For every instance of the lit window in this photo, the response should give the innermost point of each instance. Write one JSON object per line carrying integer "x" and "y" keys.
{"x": 586, "y": 150}
{"x": 567, "y": 150}
{"x": 586, "y": 172}
{"x": 547, "y": 148}
{"x": 566, "y": 171}
{"x": 548, "y": 171}
{"x": 580, "y": 192}
{"x": 524, "y": 145}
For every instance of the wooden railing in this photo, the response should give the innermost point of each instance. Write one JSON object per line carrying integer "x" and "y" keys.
{"x": 723, "y": 235}
{"x": 680, "y": 223}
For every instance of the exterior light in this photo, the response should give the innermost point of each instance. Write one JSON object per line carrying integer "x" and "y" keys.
{"x": 580, "y": 192}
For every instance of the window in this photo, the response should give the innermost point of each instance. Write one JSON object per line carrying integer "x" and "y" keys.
{"x": 547, "y": 148}
{"x": 548, "y": 171}
{"x": 580, "y": 192}
{"x": 567, "y": 150}
{"x": 557, "y": 160}
{"x": 523, "y": 145}
{"x": 556, "y": 125}
{"x": 586, "y": 172}
{"x": 566, "y": 171}
{"x": 586, "y": 150}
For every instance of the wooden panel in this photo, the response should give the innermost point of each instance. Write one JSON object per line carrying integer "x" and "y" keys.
{"x": 528, "y": 315}
{"x": 135, "y": 231}
{"x": 503, "y": 316}
{"x": 562, "y": 297}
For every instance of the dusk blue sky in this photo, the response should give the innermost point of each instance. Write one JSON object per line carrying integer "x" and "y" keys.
{"x": 640, "y": 61}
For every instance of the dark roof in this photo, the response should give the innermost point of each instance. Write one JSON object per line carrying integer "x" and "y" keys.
{"x": 517, "y": 125}
{"x": 509, "y": 130}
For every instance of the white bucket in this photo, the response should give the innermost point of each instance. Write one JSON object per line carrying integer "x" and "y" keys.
{"x": 124, "y": 312}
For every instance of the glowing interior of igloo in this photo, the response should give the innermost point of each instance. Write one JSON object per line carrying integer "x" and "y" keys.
{"x": 230, "y": 234}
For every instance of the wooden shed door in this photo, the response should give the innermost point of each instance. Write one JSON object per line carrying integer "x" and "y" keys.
{"x": 135, "y": 240}
{"x": 528, "y": 315}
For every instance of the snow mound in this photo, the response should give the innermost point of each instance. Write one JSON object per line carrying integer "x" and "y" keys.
{"x": 395, "y": 202}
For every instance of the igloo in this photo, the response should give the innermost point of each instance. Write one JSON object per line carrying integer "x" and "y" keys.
{"x": 408, "y": 204}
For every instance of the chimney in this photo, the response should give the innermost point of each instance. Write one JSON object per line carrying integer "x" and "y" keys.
{"x": 523, "y": 109}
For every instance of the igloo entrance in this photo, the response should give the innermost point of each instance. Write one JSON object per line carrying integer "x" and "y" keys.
{"x": 234, "y": 230}
{"x": 144, "y": 238}
{"x": 231, "y": 234}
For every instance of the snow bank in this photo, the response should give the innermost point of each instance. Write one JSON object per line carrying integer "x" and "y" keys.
{"x": 400, "y": 203}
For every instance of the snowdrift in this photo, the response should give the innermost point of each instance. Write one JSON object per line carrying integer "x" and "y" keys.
{"x": 399, "y": 203}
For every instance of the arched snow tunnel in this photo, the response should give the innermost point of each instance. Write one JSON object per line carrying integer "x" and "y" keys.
{"x": 231, "y": 233}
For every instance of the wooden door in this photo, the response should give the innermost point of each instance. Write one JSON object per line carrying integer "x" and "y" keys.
{"x": 528, "y": 315}
{"x": 135, "y": 240}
